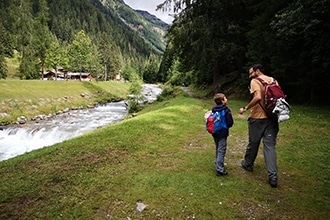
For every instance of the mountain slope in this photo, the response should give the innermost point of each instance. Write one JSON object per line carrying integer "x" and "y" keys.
{"x": 32, "y": 25}
{"x": 131, "y": 32}
{"x": 148, "y": 26}
{"x": 153, "y": 19}
{"x": 102, "y": 16}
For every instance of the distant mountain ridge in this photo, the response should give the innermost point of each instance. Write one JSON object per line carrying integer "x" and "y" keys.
{"x": 135, "y": 34}
{"x": 152, "y": 18}
{"x": 148, "y": 26}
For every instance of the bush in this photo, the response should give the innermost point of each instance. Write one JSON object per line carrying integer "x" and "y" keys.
{"x": 169, "y": 92}
{"x": 134, "y": 105}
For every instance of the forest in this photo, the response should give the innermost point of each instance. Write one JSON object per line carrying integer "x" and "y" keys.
{"x": 101, "y": 37}
{"x": 210, "y": 44}
{"x": 213, "y": 43}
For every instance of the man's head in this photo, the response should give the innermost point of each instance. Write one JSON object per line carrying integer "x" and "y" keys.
{"x": 220, "y": 98}
{"x": 255, "y": 70}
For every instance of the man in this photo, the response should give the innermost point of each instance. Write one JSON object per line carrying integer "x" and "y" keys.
{"x": 260, "y": 127}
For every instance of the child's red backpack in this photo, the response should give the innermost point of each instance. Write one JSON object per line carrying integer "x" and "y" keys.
{"x": 216, "y": 121}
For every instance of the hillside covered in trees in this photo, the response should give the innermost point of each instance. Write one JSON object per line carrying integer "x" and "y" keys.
{"x": 94, "y": 36}
{"x": 214, "y": 43}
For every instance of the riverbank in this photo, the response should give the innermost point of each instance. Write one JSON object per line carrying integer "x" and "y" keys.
{"x": 46, "y": 130}
{"x": 162, "y": 160}
{"x": 32, "y": 98}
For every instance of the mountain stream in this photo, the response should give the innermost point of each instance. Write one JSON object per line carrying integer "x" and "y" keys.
{"x": 17, "y": 140}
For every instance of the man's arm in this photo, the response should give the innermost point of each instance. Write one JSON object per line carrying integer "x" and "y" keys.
{"x": 256, "y": 98}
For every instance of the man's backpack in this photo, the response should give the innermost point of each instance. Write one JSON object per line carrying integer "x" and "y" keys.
{"x": 216, "y": 121}
{"x": 275, "y": 103}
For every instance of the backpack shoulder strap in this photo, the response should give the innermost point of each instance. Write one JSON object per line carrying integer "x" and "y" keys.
{"x": 261, "y": 80}
{"x": 274, "y": 81}
{"x": 264, "y": 82}
{"x": 223, "y": 112}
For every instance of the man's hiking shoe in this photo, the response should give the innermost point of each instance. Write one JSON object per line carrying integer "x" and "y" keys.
{"x": 224, "y": 173}
{"x": 273, "y": 183}
{"x": 246, "y": 167}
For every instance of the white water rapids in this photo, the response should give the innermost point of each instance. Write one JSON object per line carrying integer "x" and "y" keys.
{"x": 31, "y": 136}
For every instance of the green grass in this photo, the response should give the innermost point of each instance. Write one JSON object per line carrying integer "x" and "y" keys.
{"x": 33, "y": 97}
{"x": 164, "y": 157}
{"x": 13, "y": 65}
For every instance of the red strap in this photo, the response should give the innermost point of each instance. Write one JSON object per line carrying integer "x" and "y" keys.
{"x": 264, "y": 82}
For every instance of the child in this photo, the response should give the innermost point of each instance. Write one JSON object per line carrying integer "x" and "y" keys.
{"x": 220, "y": 138}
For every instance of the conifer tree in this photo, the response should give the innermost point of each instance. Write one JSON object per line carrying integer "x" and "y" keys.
{"x": 207, "y": 37}
{"x": 150, "y": 73}
{"x": 80, "y": 53}
{"x": 56, "y": 56}
{"x": 23, "y": 30}
{"x": 104, "y": 54}
{"x": 42, "y": 35}
{"x": 5, "y": 51}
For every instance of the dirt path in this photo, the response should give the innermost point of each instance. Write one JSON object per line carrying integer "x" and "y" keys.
{"x": 190, "y": 93}
{"x": 187, "y": 90}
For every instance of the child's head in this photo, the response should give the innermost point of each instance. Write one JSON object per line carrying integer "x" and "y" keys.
{"x": 220, "y": 98}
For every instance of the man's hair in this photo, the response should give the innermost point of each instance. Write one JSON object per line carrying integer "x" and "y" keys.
{"x": 257, "y": 67}
{"x": 218, "y": 98}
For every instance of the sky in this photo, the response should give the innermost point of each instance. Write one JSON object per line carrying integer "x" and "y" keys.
{"x": 150, "y": 6}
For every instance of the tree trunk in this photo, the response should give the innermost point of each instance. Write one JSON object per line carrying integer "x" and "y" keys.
{"x": 105, "y": 72}
{"x": 42, "y": 70}
{"x": 216, "y": 87}
{"x": 55, "y": 73}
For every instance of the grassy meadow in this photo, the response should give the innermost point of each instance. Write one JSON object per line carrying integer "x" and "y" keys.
{"x": 164, "y": 158}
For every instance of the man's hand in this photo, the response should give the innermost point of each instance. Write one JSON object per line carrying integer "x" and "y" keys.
{"x": 242, "y": 110}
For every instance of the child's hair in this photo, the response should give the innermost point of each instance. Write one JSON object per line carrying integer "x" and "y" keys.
{"x": 218, "y": 98}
